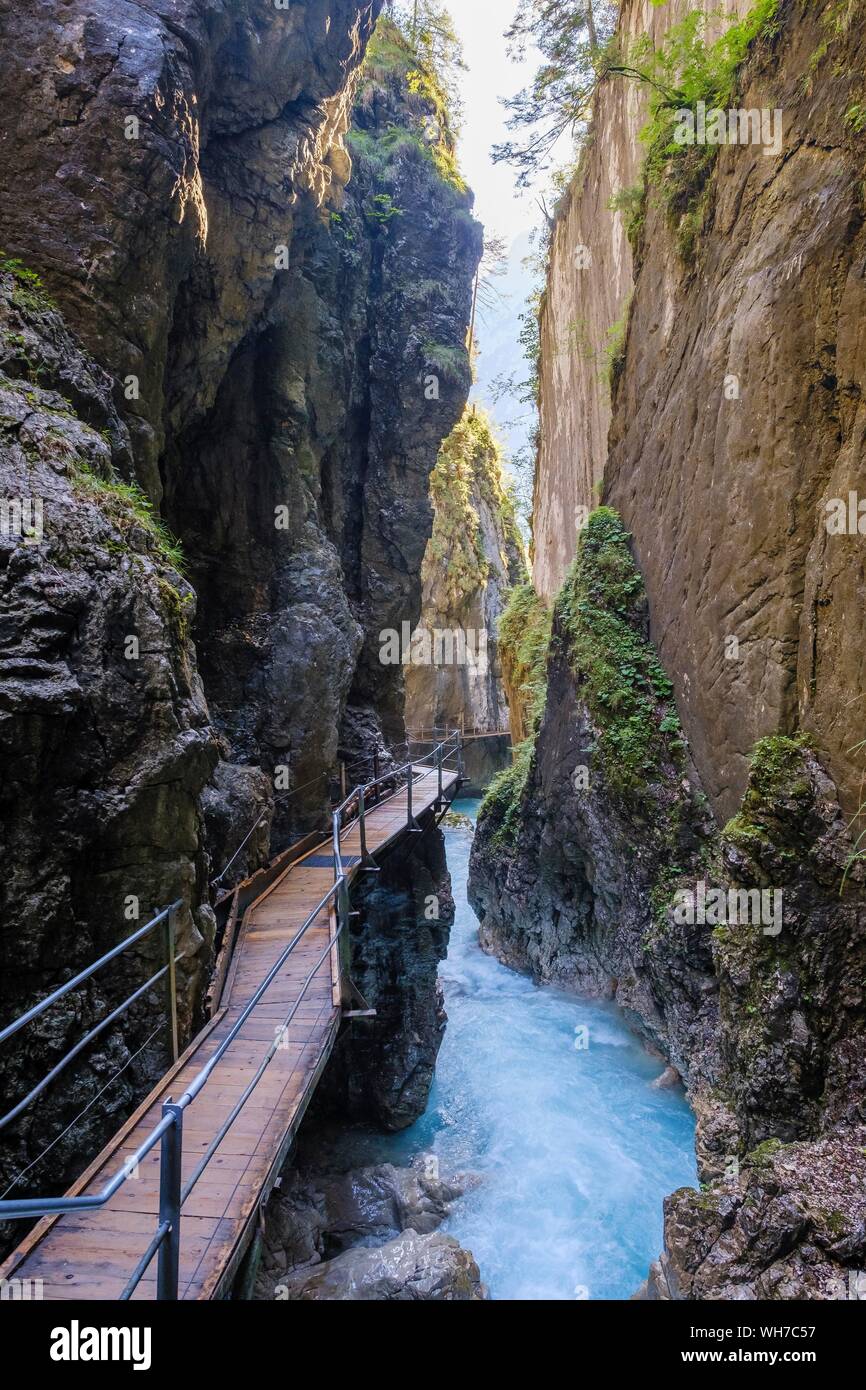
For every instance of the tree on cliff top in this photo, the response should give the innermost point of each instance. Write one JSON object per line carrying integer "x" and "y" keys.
{"x": 572, "y": 36}
{"x": 428, "y": 28}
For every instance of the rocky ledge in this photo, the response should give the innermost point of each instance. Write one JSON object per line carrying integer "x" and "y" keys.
{"x": 369, "y": 1234}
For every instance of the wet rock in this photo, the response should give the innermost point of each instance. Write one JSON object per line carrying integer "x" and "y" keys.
{"x": 423, "y": 1268}
{"x": 312, "y": 1216}
{"x": 382, "y": 1068}
{"x": 792, "y": 1225}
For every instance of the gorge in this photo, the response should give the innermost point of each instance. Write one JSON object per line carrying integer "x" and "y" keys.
{"x": 269, "y": 604}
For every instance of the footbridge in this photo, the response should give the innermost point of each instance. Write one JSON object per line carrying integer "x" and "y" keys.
{"x": 169, "y": 1207}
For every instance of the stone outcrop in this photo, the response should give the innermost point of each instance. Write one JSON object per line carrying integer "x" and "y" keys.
{"x": 106, "y": 742}
{"x": 410, "y": 1268}
{"x": 474, "y": 556}
{"x": 725, "y": 493}
{"x": 364, "y": 1234}
{"x": 382, "y": 1067}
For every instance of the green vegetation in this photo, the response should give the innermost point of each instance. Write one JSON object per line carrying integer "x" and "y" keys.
{"x": 523, "y": 643}
{"x": 601, "y": 611}
{"x": 127, "y": 507}
{"x": 601, "y": 614}
{"x": 631, "y": 202}
{"x": 450, "y": 362}
{"x": 469, "y": 465}
{"x": 505, "y": 793}
{"x": 572, "y": 37}
{"x": 419, "y": 73}
{"x": 613, "y": 353}
{"x": 29, "y": 293}
{"x": 777, "y": 773}
{"x": 764, "y": 1153}
{"x": 684, "y": 70}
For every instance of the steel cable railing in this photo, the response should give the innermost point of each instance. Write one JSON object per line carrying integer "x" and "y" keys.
{"x": 168, "y": 1132}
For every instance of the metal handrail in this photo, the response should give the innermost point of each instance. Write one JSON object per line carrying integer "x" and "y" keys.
{"x": 11, "y": 1029}
{"x": 40, "y": 1008}
{"x": 169, "y": 1129}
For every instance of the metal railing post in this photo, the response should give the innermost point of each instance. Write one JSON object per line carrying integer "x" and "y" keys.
{"x": 367, "y": 862}
{"x": 171, "y": 983}
{"x": 460, "y": 768}
{"x": 439, "y": 756}
{"x": 376, "y": 772}
{"x": 170, "y": 1162}
{"x": 411, "y": 824}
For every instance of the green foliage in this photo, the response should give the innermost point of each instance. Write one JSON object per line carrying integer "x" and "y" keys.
{"x": 523, "y": 643}
{"x": 601, "y": 611}
{"x": 855, "y": 117}
{"x": 381, "y": 209}
{"x": 631, "y": 202}
{"x": 684, "y": 70}
{"x": 450, "y": 362}
{"x": 419, "y": 72}
{"x": 469, "y": 466}
{"x": 127, "y": 506}
{"x": 529, "y": 338}
{"x": 613, "y": 353}
{"x": 504, "y": 795}
{"x": 571, "y": 37}
{"x": 776, "y": 774}
{"x": 29, "y": 292}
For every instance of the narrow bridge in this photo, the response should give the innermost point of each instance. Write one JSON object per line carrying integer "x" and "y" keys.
{"x": 424, "y": 735}
{"x": 169, "y": 1207}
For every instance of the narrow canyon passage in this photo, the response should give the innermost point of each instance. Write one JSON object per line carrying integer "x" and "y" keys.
{"x": 545, "y": 1104}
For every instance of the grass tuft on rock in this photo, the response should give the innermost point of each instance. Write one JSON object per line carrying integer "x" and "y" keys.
{"x": 126, "y": 506}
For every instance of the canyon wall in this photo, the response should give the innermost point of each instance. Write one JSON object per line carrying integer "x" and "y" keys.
{"x": 705, "y": 666}
{"x": 589, "y": 282}
{"x": 204, "y": 335}
{"x": 725, "y": 497}
{"x": 474, "y": 556}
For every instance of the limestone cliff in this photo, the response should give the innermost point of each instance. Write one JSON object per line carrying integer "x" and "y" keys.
{"x": 475, "y": 555}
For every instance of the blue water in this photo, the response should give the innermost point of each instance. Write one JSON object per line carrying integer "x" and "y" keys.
{"x": 571, "y": 1148}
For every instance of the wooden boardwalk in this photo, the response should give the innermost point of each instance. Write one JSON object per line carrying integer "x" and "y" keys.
{"x": 92, "y": 1254}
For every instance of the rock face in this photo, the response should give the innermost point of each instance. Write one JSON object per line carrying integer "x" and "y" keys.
{"x": 589, "y": 284}
{"x": 106, "y": 743}
{"x": 382, "y": 1068}
{"x": 736, "y": 383}
{"x": 738, "y": 413}
{"x": 321, "y": 1229}
{"x": 788, "y": 1226}
{"x": 411, "y": 1268}
{"x": 329, "y": 420}
{"x": 474, "y": 556}
{"x": 267, "y": 363}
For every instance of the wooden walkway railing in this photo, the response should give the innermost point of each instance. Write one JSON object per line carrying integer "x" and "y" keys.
{"x": 184, "y": 1180}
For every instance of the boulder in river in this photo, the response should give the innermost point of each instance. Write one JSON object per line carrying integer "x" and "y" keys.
{"x": 428, "y": 1268}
